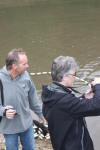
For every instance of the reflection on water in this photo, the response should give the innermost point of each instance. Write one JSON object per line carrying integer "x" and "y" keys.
{"x": 49, "y": 28}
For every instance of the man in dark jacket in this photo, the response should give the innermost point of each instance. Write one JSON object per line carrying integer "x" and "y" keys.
{"x": 64, "y": 111}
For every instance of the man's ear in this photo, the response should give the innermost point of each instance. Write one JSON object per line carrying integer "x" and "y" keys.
{"x": 14, "y": 66}
{"x": 64, "y": 75}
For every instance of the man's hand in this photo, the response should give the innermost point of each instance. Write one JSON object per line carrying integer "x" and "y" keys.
{"x": 42, "y": 120}
{"x": 9, "y": 112}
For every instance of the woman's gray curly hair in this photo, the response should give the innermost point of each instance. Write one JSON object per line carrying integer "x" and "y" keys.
{"x": 63, "y": 65}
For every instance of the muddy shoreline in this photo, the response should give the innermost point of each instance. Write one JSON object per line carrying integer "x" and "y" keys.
{"x": 43, "y": 144}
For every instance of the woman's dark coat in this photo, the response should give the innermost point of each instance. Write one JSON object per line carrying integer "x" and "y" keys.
{"x": 65, "y": 115}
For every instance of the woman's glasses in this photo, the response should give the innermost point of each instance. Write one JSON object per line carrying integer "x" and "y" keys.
{"x": 74, "y": 74}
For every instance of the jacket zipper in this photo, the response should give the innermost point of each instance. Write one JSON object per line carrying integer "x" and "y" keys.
{"x": 82, "y": 138}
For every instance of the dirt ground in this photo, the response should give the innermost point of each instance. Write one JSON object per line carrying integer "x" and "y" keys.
{"x": 43, "y": 144}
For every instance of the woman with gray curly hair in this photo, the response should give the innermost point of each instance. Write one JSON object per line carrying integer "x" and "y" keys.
{"x": 64, "y": 111}
{"x": 63, "y": 65}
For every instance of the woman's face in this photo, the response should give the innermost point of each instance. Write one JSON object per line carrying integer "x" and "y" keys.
{"x": 72, "y": 78}
{"x": 68, "y": 80}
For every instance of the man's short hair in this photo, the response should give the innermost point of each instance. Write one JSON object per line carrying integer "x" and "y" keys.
{"x": 13, "y": 57}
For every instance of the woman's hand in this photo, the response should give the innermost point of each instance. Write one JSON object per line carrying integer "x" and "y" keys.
{"x": 96, "y": 81}
{"x": 89, "y": 95}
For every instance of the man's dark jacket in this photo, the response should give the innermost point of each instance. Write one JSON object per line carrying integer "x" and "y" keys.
{"x": 65, "y": 115}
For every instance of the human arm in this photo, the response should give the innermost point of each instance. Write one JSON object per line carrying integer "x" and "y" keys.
{"x": 34, "y": 101}
{"x": 82, "y": 107}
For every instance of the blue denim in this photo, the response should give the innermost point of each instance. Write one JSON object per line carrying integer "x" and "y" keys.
{"x": 26, "y": 139}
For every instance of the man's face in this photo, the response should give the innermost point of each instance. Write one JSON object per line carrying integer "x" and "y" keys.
{"x": 22, "y": 64}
